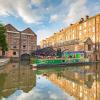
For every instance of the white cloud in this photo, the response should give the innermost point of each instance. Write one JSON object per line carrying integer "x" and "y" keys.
{"x": 66, "y": 12}
{"x": 43, "y": 33}
{"x": 70, "y": 11}
{"x": 37, "y": 2}
{"x": 20, "y": 8}
{"x": 39, "y": 11}
{"x": 27, "y": 14}
{"x": 53, "y": 97}
{"x": 53, "y": 18}
{"x": 3, "y": 13}
{"x": 77, "y": 10}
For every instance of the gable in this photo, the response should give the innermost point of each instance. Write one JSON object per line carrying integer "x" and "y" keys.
{"x": 29, "y": 31}
{"x": 9, "y": 27}
{"x": 88, "y": 41}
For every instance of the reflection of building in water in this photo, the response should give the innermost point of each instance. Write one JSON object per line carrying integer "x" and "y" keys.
{"x": 18, "y": 78}
{"x": 83, "y": 85}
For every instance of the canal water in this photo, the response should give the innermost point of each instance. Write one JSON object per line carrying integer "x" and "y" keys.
{"x": 18, "y": 81}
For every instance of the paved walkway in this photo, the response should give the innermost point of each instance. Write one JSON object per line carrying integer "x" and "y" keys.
{"x": 4, "y": 61}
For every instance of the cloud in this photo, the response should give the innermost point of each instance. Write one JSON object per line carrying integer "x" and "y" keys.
{"x": 53, "y": 18}
{"x": 53, "y": 97}
{"x": 37, "y": 2}
{"x": 70, "y": 11}
{"x": 43, "y": 33}
{"x": 77, "y": 10}
{"x": 44, "y": 12}
{"x": 34, "y": 11}
{"x": 27, "y": 14}
{"x": 21, "y": 8}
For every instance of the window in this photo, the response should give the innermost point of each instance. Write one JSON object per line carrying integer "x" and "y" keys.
{"x": 73, "y": 36}
{"x": 80, "y": 33}
{"x": 24, "y": 46}
{"x": 85, "y": 31}
{"x": 80, "y": 27}
{"x": 15, "y": 34}
{"x": 93, "y": 29}
{"x": 14, "y": 53}
{"x": 93, "y": 38}
{"x": 14, "y": 47}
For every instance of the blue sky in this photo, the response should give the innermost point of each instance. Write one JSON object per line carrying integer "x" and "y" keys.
{"x": 45, "y": 17}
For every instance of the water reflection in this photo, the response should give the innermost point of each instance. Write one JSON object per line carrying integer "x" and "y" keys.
{"x": 15, "y": 77}
{"x": 81, "y": 82}
{"x": 19, "y": 82}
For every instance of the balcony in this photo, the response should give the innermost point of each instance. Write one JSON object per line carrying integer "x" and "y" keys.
{"x": 66, "y": 43}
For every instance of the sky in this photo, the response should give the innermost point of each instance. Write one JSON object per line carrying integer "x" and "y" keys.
{"x": 46, "y": 17}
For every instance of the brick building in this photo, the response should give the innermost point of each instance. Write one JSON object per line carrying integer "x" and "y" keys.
{"x": 20, "y": 41}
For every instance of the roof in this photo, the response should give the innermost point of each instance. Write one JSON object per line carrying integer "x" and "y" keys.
{"x": 48, "y": 51}
{"x": 10, "y": 27}
{"x": 86, "y": 40}
{"x": 28, "y": 30}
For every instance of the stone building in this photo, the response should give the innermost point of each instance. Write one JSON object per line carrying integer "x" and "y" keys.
{"x": 20, "y": 42}
{"x": 80, "y": 36}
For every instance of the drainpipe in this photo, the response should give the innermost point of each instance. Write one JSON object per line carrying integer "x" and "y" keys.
{"x": 19, "y": 46}
{"x": 95, "y": 42}
{"x": 96, "y": 56}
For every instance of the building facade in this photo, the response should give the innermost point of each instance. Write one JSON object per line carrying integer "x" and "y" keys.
{"x": 83, "y": 35}
{"x": 20, "y": 42}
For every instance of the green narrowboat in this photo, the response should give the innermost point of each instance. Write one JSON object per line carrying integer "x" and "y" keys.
{"x": 68, "y": 58}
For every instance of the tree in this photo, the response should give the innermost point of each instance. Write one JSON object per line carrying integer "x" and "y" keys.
{"x": 3, "y": 43}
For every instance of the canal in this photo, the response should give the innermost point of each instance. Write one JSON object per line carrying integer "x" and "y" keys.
{"x": 18, "y": 81}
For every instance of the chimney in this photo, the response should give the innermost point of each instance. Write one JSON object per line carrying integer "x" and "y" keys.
{"x": 71, "y": 24}
{"x": 87, "y": 17}
{"x": 82, "y": 19}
